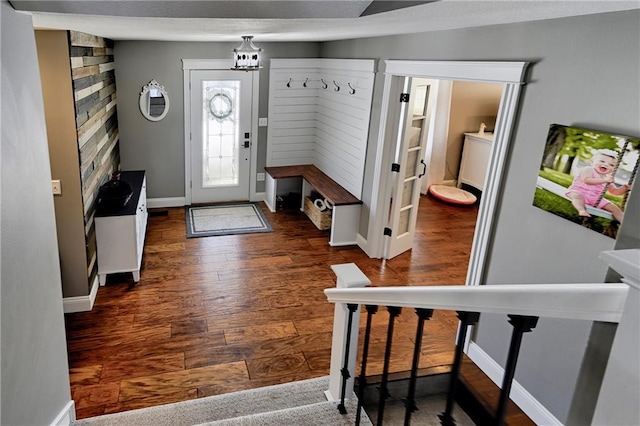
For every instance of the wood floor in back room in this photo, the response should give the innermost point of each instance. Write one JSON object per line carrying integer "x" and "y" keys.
{"x": 219, "y": 314}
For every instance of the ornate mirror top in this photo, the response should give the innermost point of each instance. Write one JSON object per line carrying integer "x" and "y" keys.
{"x": 154, "y": 101}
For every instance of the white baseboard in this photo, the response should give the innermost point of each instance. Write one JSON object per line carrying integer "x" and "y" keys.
{"x": 154, "y": 203}
{"x": 343, "y": 244}
{"x": 258, "y": 196}
{"x": 527, "y": 403}
{"x": 67, "y": 416}
{"x": 81, "y": 303}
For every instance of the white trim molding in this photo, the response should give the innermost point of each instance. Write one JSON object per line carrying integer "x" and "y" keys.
{"x": 154, "y": 203}
{"x": 67, "y": 416}
{"x": 258, "y": 196}
{"x": 519, "y": 395}
{"x": 362, "y": 243}
{"x": 81, "y": 303}
{"x": 487, "y": 72}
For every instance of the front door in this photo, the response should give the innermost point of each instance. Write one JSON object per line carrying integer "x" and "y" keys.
{"x": 409, "y": 167}
{"x": 220, "y": 135}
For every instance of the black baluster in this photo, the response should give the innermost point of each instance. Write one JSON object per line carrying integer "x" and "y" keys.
{"x": 345, "y": 366}
{"x": 410, "y": 402}
{"x": 384, "y": 392}
{"x": 521, "y": 324}
{"x": 466, "y": 319}
{"x": 371, "y": 310}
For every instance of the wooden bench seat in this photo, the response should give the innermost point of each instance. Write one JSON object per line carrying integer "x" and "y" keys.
{"x": 345, "y": 217}
{"x": 327, "y": 187}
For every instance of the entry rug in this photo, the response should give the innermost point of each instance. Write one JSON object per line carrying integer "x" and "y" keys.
{"x": 225, "y": 219}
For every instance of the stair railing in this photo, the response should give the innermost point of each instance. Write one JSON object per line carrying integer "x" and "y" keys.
{"x": 523, "y": 304}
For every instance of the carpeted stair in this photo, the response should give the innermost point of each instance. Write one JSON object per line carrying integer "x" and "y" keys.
{"x": 296, "y": 403}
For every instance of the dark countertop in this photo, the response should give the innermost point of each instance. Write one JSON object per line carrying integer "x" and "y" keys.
{"x": 135, "y": 179}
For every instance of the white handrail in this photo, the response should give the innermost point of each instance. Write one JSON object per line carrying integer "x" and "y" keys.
{"x": 591, "y": 302}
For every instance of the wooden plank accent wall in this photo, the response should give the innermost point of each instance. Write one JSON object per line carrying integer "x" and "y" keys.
{"x": 323, "y": 123}
{"x": 94, "y": 87}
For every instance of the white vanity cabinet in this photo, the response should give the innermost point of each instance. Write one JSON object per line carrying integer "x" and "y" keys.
{"x": 475, "y": 159}
{"x": 120, "y": 234}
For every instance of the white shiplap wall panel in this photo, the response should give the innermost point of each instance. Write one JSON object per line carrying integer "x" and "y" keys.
{"x": 350, "y": 150}
{"x": 296, "y": 109}
{"x": 300, "y": 147}
{"x": 295, "y": 143}
{"x": 292, "y": 111}
{"x": 290, "y": 117}
{"x": 337, "y": 119}
{"x": 339, "y": 122}
{"x": 287, "y": 131}
{"x": 300, "y": 124}
{"x": 351, "y": 113}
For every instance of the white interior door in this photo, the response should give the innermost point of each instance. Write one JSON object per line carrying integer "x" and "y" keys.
{"x": 220, "y": 135}
{"x": 409, "y": 167}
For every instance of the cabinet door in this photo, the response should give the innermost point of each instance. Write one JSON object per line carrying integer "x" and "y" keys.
{"x": 117, "y": 246}
{"x": 475, "y": 159}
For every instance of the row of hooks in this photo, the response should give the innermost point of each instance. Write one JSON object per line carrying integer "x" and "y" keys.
{"x": 352, "y": 90}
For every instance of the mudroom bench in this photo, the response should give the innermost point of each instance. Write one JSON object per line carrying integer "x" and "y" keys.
{"x": 345, "y": 217}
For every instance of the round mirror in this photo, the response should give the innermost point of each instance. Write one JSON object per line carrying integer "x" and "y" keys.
{"x": 154, "y": 101}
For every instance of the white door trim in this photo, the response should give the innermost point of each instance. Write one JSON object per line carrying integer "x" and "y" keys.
{"x": 509, "y": 73}
{"x": 217, "y": 64}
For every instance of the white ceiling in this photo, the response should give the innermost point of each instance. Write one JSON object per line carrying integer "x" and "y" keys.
{"x": 302, "y": 20}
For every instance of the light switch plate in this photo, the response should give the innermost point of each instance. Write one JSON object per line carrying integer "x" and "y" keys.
{"x": 56, "y": 187}
{"x": 262, "y": 122}
{"x": 260, "y": 177}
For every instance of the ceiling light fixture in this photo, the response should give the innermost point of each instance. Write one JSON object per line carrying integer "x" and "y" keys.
{"x": 247, "y": 56}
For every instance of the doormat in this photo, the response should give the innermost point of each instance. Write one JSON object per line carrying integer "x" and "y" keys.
{"x": 225, "y": 219}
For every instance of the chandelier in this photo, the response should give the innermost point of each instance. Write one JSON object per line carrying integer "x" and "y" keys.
{"x": 247, "y": 56}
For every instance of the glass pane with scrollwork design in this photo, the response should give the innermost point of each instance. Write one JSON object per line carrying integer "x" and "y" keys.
{"x": 220, "y": 133}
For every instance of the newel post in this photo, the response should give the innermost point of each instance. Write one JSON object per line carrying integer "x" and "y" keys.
{"x": 348, "y": 276}
{"x": 620, "y": 392}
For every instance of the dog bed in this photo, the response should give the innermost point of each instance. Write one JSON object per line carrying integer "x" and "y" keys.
{"x": 451, "y": 194}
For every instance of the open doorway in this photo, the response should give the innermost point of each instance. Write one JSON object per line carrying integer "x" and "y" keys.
{"x": 461, "y": 109}
{"x": 460, "y": 135}
{"x": 444, "y": 136}
{"x": 510, "y": 75}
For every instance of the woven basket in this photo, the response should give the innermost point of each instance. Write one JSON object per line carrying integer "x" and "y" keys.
{"x": 321, "y": 219}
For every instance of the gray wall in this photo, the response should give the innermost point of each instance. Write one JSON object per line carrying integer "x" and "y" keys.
{"x": 158, "y": 147}
{"x": 585, "y": 71}
{"x": 35, "y": 376}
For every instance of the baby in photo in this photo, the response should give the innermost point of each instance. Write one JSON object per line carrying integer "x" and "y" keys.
{"x": 593, "y": 180}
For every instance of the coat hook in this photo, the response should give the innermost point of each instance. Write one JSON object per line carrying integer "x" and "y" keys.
{"x": 305, "y": 82}
{"x": 352, "y": 91}
{"x": 289, "y": 83}
{"x": 324, "y": 83}
{"x": 337, "y": 89}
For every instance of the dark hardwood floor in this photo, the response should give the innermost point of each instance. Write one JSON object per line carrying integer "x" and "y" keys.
{"x": 219, "y": 314}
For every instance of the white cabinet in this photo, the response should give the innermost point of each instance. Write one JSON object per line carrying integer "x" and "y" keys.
{"x": 475, "y": 159}
{"x": 120, "y": 234}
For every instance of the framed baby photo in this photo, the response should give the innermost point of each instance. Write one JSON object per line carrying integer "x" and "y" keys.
{"x": 586, "y": 176}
